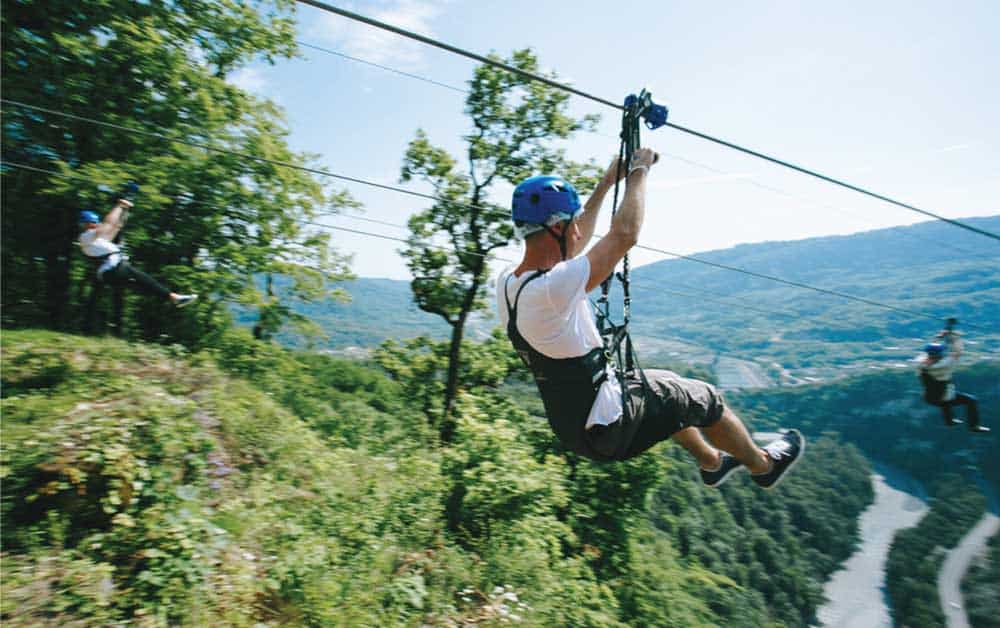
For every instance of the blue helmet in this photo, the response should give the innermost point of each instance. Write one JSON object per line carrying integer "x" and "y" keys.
{"x": 934, "y": 349}
{"x": 542, "y": 201}
{"x": 88, "y": 216}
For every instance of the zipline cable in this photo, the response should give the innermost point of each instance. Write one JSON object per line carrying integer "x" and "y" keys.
{"x": 669, "y": 155}
{"x": 317, "y": 171}
{"x": 382, "y": 67}
{"x": 713, "y": 298}
{"x": 796, "y": 284}
{"x": 226, "y": 151}
{"x": 572, "y": 90}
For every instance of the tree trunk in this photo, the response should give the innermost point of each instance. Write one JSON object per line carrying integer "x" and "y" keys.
{"x": 454, "y": 356}
{"x": 451, "y": 385}
{"x": 57, "y": 283}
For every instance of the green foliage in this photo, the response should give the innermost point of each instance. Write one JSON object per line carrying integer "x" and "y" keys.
{"x": 815, "y": 335}
{"x": 205, "y": 221}
{"x": 186, "y": 497}
{"x": 885, "y": 416}
{"x": 981, "y": 588}
{"x": 514, "y": 120}
{"x": 917, "y": 553}
{"x": 248, "y": 484}
{"x": 780, "y": 546}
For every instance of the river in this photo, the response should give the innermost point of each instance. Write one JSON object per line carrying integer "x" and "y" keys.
{"x": 856, "y": 592}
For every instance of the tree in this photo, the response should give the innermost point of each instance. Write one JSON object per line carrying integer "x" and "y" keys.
{"x": 514, "y": 120}
{"x": 212, "y": 221}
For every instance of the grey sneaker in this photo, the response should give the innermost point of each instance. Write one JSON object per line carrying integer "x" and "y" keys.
{"x": 784, "y": 453}
{"x": 726, "y": 468}
{"x": 981, "y": 429}
{"x": 184, "y": 300}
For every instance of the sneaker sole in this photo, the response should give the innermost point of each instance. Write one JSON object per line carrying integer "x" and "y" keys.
{"x": 802, "y": 451}
{"x": 725, "y": 476}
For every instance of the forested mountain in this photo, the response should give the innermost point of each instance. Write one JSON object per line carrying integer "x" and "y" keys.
{"x": 374, "y": 311}
{"x": 883, "y": 413}
{"x": 930, "y": 267}
{"x": 762, "y": 332}
{"x": 249, "y": 484}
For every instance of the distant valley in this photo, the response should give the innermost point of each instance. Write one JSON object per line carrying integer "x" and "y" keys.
{"x": 753, "y": 332}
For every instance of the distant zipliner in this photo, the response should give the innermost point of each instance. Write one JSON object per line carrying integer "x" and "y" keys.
{"x": 937, "y": 365}
{"x": 100, "y": 242}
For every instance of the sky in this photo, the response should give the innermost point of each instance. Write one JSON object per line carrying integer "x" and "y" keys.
{"x": 898, "y": 97}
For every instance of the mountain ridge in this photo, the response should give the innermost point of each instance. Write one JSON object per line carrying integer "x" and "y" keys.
{"x": 754, "y": 320}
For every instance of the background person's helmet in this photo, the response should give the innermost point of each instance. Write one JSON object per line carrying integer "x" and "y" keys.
{"x": 934, "y": 349}
{"x": 88, "y": 216}
{"x": 543, "y": 201}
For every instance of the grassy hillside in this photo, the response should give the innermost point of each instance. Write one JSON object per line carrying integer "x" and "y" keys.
{"x": 250, "y": 485}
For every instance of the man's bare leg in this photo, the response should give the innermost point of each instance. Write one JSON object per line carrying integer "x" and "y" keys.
{"x": 691, "y": 439}
{"x": 730, "y": 435}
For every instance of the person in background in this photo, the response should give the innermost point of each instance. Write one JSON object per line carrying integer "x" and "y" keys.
{"x": 937, "y": 365}
{"x": 97, "y": 241}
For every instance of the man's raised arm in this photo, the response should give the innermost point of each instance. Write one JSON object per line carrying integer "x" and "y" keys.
{"x": 624, "y": 232}
{"x": 592, "y": 208}
{"x": 112, "y": 222}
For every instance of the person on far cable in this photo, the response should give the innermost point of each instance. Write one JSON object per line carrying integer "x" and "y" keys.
{"x": 542, "y": 301}
{"x": 97, "y": 243}
{"x": 937, "y": 365}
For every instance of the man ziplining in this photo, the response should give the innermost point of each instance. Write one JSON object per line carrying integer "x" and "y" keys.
{"x": 937, "y": 366}
{"x": 543, "y": 304}
{"x": 97, "y": 241}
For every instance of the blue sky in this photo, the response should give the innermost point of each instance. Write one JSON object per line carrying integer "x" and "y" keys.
{"x": 901, "y": 97}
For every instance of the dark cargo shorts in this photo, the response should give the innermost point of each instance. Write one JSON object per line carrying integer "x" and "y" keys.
{"x": 670, "y": 403}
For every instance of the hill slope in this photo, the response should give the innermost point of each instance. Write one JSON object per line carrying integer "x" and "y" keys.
{"x": 755, "y": 332}
{"x": 818, "y": 335}
{"x": 146, "y": 485}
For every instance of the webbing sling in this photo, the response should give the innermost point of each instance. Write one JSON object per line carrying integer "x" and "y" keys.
{"x": 617, "y": 342}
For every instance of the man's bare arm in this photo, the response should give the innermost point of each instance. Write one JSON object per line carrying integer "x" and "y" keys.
{"x": 624, "y": 232}
{"x": 113, "y": 222}
{"x": 592, "y": 208}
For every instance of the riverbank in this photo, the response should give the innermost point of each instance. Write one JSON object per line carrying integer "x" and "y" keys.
{"x": 958, "y": 561}
{"x": 855, "y": 593}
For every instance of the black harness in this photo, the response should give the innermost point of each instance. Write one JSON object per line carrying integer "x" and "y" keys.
{"x": 618, "y": 347}
{"x": 934, "y": 389}
{"x": 568, "y": 386}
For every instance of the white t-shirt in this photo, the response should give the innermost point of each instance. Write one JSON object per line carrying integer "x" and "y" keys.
{"x": 94, "y": 244}
{"x": 554, "y": 317}
{"x": 943, "y": 369}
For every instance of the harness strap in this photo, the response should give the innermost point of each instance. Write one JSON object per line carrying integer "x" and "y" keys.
{"x": 512, "y": 311}
{"x": 615, "y": 336}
